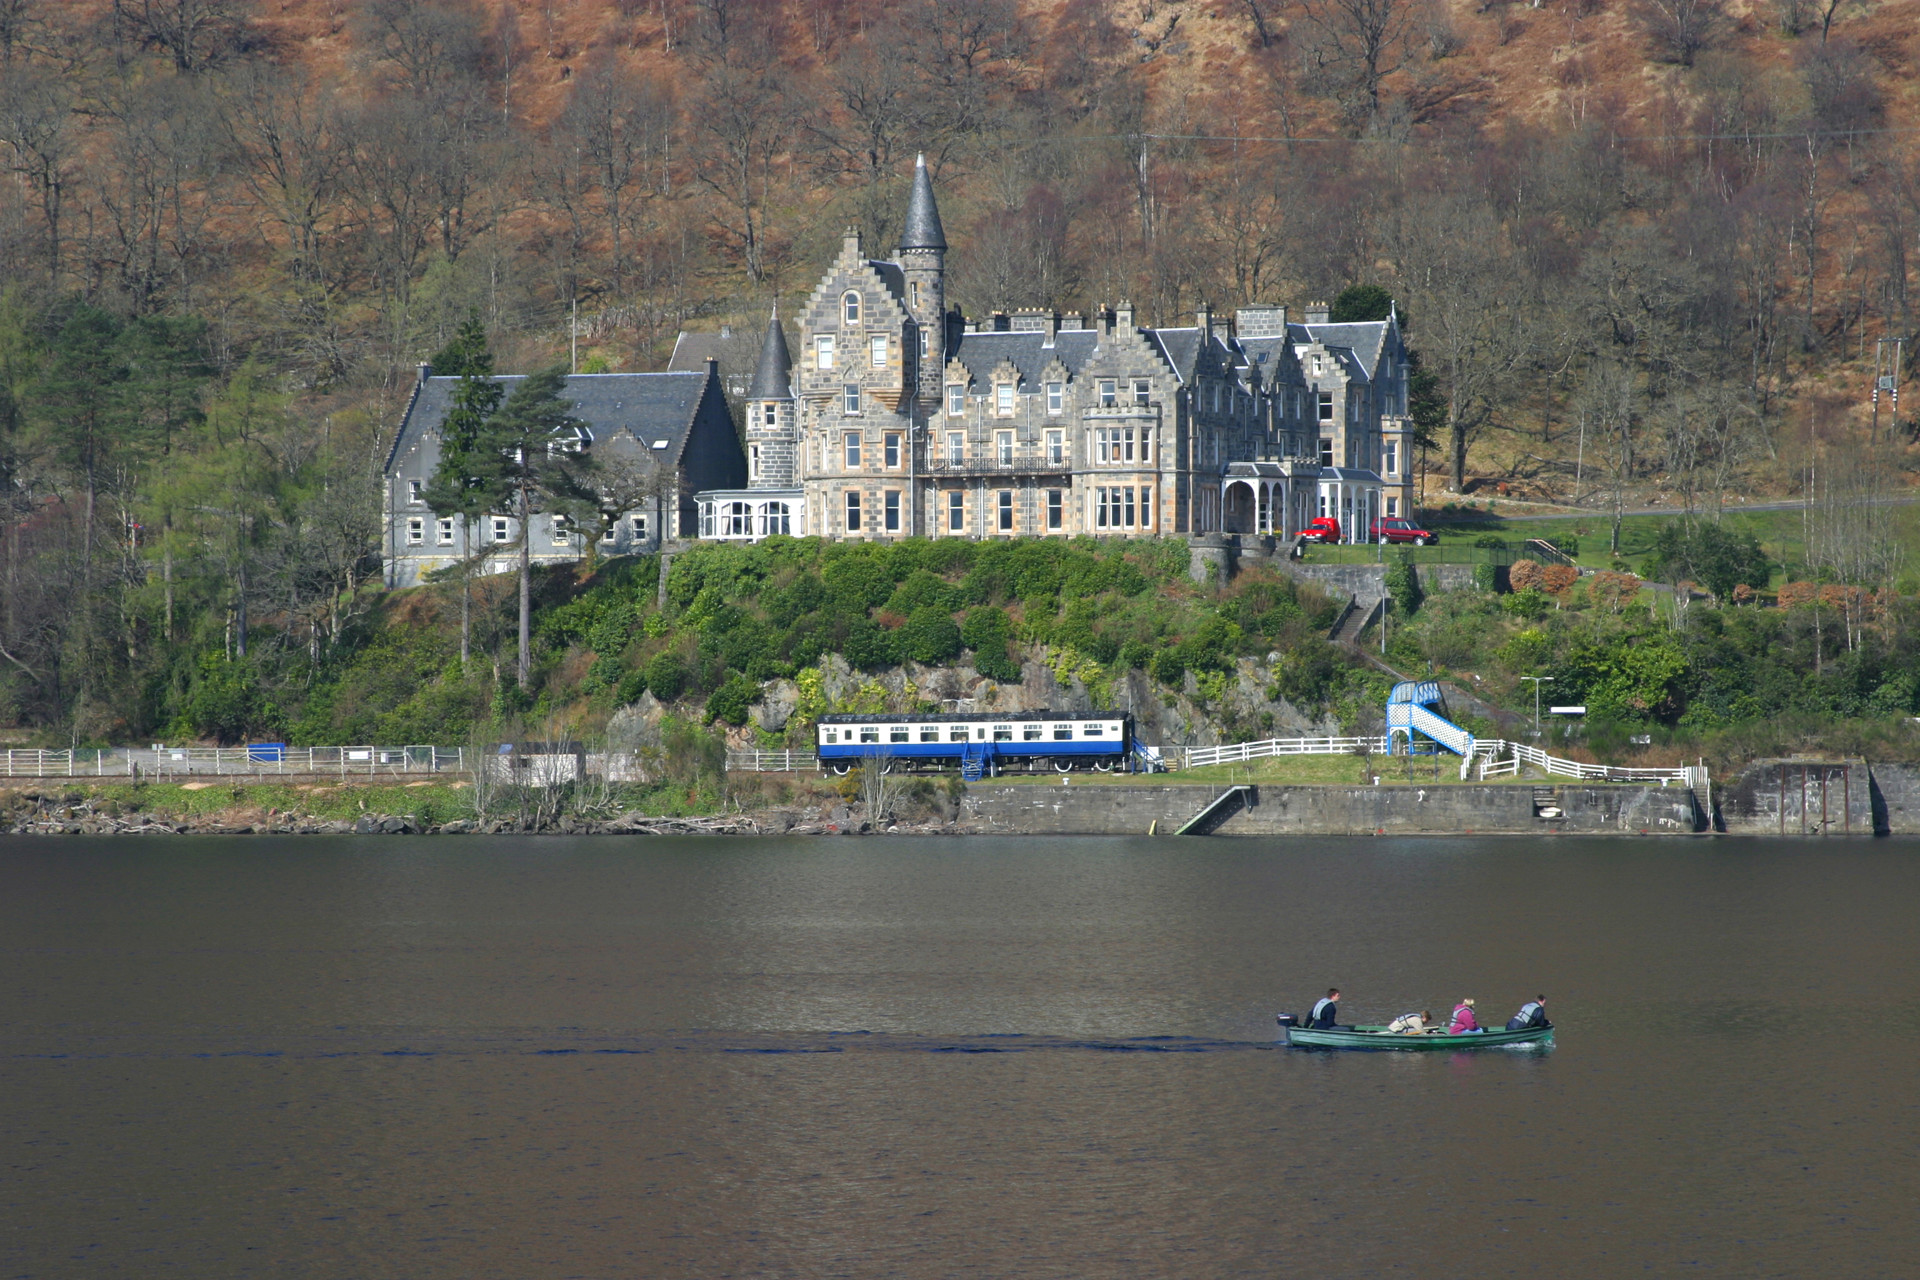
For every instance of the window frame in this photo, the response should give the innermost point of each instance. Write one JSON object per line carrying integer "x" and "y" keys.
{"x": 1143, "y": 392}
{"x": 416, "y": 531}
{"x": 443, "y": 530}
{"x": 1003, "y": 399}
{"x": 850, "y": 307}
{"x": 1003, "y": 448}
{"x": 824, "y": 355}
{"x": 956, "y": 511}
{"x": 503, "y": 529}
{"x": 1056, "y": 508}
{"x": 850, "y": 511}
{"x": 853, "y": 400}
{"x": 956, "y": 448}
{"x": 850, "y": 450}
{"x": 890, "y": 511}
{"x": 1056, "y": 398}
{"x": 878, "y": 349}
{"x": 1056, "y": 439}
{"x": 1109, "y": 393}
{"x": 956, "y": 399}
{"x": 1003, "y": 505}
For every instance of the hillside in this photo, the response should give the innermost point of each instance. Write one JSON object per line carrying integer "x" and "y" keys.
{"x": 1648, "y": 257}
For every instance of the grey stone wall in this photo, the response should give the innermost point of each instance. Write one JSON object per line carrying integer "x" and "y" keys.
{"x": 1811, "y": 797}
{"x": 1896, "y": 799}
{"x": 1502, "y": 809}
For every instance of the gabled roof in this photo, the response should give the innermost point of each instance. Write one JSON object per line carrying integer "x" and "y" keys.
{"x": 1181, "y": 347}
{"x": 1026, "y": 349}
{"x": 648, "y": 407}
{"x": 1364, "y": 339}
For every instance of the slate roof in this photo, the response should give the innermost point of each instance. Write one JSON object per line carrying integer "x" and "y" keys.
{"x": 982, "y": 353}
{"x": 647, "y": 406}
{"x": 922, "y": 229}
{"x": 1363, "y": 339}
{"x": 773, "y": 378}
{"x": 892, "y": 276}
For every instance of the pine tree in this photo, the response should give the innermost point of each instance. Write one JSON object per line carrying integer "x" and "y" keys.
{"x": 459, "y": 487}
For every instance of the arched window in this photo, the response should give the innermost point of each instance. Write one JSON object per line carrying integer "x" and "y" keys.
{"x": 850, "y": 307}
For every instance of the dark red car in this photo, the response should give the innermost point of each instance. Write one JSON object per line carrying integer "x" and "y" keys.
{"x": 1401, "y": 529}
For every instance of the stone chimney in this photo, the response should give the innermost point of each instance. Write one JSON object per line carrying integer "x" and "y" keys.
{"x": 1123, "y": 315}
{"x": 426, "y": 371}
{"x": 1317, "y": 312}
{"x": 1033, "y": 320}
{"x": 1261, "y": 320}
{"x": 1072, "y": 322}
{"x": 1000, "y": 322}
{"x": 1203, "y": 318}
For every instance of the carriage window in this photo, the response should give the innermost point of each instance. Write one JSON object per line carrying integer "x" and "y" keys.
{"x": 929, "y": 733}
{"x": 958, "y": 733}
{"x": 869, "y": 733}
{"x": 1063, "y": 733}
{"x": 900, "y": 733}
{"x": 1093, "y": 730}
{"x": 1003, "y": 733}
{"x": 1032, "y": 733}
{"x": 833, "y": 735}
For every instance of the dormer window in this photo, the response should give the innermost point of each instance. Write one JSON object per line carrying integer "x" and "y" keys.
{"x": 956, "y": 398}
{"x": 413, "y": 491}
{"x": 1003, "y": 399}
{"x": 850, "y": 307}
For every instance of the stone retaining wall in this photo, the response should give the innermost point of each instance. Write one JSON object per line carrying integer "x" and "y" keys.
{"x": 1499, "y": 809}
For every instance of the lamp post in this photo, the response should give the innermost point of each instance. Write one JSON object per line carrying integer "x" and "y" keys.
{"x": 1537, "y": 681}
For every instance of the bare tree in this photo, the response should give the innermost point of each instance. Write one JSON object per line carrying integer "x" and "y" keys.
{"x": 1683, "y": 28}
{"x": 1360, "y": 42}
{"x": 36, "y": 110}
{"x": 194, "y": 34}
{"x": 621, "y": 123}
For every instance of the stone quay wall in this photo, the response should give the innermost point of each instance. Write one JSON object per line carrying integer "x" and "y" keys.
{"x": 1443, "y": 809}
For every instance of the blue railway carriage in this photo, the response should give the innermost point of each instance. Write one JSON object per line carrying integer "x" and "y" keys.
{"x": 977, "y": 744}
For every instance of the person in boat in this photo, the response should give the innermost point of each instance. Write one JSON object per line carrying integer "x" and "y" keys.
{"x": 1411, "y": 1024}
{"x": 1326, "y": 1011}
{"x": 1532, "y": 1014}
{"x": 1464, "y": 1023}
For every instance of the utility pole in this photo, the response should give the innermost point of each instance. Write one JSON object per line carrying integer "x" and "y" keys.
{"x": 1537, "y": 682}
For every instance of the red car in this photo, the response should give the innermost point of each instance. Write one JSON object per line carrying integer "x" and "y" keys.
{"x": 1401, "y": 529}
{"x": 1321, "y": 529}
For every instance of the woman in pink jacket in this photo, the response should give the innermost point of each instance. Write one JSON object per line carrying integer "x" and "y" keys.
{"x": 1463, "y": 1020}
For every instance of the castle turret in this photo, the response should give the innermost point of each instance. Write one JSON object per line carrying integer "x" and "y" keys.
{"x": 772, "y": 439}
{"x": 923, "y": 263}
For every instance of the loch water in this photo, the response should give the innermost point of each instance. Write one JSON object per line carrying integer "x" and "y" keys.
{"x": 633, "y": 1057}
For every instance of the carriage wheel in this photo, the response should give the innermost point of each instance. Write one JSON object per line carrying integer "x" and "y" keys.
{"x": 1104, "y": 766}
{"x": 1063, "y": 766}
{"x": 840, "y": 770}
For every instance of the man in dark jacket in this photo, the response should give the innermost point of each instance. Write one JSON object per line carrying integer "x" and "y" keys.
{"x": 1326, "y": 1013}
{"x": 1532, "y": 1014}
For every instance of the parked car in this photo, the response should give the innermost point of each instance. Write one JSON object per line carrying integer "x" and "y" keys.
{"x": 1401, "y": 529}
{"x": 1321, "y": 529}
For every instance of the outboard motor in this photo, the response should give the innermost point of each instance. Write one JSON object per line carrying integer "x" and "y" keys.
{"x": 1286, "y": 1020}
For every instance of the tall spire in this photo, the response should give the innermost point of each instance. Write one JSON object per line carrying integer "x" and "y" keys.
{"x": 922, "y": 230}
{"x": 773, "y": 379}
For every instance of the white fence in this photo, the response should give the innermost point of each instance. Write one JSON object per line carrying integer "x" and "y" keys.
{"x": 772, "y": 761}
{"x": 167, "y": 762}
{"x": 1233, "y": 753}
{"x": 1496, "y": 757}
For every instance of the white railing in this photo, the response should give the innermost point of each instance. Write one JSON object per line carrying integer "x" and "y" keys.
{"x": 1232, "y": 753}
{"x": 159, "y": 762}
{"x": 1496, "y": 757}
{"x": 772, "y": 761}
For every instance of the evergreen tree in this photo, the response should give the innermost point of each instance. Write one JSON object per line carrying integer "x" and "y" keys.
{"x": 459, "y": 487}
{"x": 527, "y": 458}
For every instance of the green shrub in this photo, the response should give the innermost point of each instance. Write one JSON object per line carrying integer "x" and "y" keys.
{"x": 1532, "y": 604}
{"x": 730, "y": 701}
{"x": 930, "y": 635}
{"x": 869, "y": 646}
{"x": 1486, "y": 577}
{"x": 1403, "y": 584}
{"x": 666, "y": 676}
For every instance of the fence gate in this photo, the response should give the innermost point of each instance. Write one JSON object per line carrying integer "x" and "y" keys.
{"x": 1821, "y": 783}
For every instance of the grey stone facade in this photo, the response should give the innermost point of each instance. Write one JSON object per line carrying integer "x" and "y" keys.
{"x": 899, "y": 417}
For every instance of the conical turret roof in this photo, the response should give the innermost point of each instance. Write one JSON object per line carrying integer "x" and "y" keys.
{"x": 923, "y": 229}
{"x": 773, "y": 379}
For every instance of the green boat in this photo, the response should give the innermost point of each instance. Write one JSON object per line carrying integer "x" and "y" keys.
{"x": 1432, "y": 1038}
